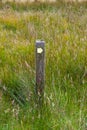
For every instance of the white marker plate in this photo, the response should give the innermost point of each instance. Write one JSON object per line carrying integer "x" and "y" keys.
{"x": 39, "y": 50}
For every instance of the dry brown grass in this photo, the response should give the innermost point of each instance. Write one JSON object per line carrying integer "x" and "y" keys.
{"x": 42, "y": 0}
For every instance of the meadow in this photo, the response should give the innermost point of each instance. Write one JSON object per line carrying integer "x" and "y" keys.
{"x": 63, "y": 26}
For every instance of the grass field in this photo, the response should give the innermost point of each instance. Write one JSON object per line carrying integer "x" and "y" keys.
{"x": 64, "y": 29}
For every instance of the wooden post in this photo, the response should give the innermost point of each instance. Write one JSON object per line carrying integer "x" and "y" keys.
{"x": 40, "y": 65}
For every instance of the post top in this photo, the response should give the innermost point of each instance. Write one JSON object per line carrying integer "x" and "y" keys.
{"x": 40, "y": 41}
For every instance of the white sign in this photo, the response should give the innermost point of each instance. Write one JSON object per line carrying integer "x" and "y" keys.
{"x": 39, "y": 50}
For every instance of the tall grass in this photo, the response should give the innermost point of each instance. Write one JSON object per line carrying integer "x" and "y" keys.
{"x": 64, "y": 30}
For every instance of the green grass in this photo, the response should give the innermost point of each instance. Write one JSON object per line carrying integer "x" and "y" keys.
{"x": 64, "y": 29}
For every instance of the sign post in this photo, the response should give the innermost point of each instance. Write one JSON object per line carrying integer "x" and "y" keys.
{"x": 40, "y": 69}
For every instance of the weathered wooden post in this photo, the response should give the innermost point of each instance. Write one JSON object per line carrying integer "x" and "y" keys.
{"x": 40, "y": 68}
